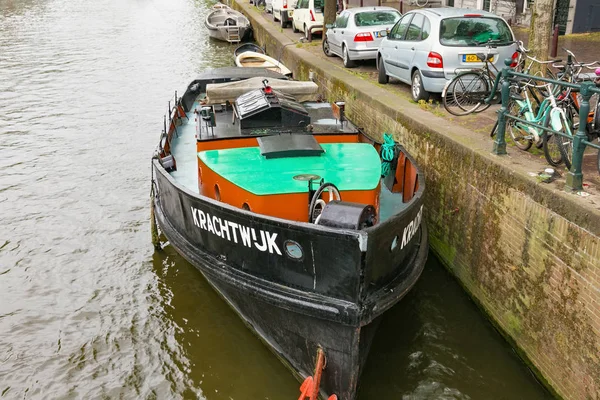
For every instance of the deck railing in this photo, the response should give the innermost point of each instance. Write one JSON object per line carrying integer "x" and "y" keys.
{"x": 508, "y": 76}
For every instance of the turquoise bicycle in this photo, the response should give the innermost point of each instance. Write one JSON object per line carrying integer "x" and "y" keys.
{"x": 549, "y": 114}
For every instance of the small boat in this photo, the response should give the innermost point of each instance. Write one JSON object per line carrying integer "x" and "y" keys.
{"x": 248, "y": 47}
{"x": 228, "y": 25}
{"x": 308, "y": 228}
{"x": 253, "y": 59}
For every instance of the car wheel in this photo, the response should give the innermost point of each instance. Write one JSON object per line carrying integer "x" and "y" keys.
{"x": 417, "y": 91}
{"x": 294, "y": 29}
{"x": 307, "y": 34}
{"x": 348, "y": 63}
{"x": 382, "y": 77}
{"x": 326, "y": 48}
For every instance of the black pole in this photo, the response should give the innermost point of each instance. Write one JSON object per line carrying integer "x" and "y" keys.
{"x": 554, "y": 50}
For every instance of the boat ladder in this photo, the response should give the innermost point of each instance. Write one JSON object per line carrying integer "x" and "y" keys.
{"x": 233, "y": 34}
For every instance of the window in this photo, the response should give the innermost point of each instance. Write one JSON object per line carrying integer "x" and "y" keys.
{"x": 342, "y": 21}
{"x": 426, "y": 29}
{"x": 373, "y": 18}
{"x": 397, "y": 32}
{"x": 414, "y": 29}
{"x": 319, "y": 5}
{"x": 302, "y": 4}
{"x": 473, "y": 31}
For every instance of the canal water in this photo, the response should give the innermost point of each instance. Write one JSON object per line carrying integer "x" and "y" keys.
{"x": 87, "y": 308}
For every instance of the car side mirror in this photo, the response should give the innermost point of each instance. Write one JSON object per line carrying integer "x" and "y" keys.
{"x": 329, "y": 26}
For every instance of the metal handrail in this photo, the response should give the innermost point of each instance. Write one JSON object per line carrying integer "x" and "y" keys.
{"x": 574, "y": 179}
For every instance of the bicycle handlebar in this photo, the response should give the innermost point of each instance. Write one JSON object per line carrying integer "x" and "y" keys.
{"x": 522, "y": 47}
{"x": 590, "y": 65}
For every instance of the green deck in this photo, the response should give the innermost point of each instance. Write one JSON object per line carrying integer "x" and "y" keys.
{"x": 349, "y": 166}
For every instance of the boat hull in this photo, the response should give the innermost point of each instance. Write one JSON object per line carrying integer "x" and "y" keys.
{"x": 258, "y": 60}
{"x": 247, "y": 47}
{"x": 218, "y": 28}
{"x": 294, "y": 311}
{"x": 220, "y": 33}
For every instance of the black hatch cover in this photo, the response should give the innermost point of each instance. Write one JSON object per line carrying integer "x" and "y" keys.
{"x": 289, "y": 145}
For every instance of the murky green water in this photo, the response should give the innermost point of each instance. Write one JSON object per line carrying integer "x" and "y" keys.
{"x": 87, "y": 309}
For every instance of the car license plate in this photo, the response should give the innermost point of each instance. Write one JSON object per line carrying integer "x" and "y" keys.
{"x": 291, "y": 12}
{"x": 473, "y": 58}
{"x": 379, "y": 34}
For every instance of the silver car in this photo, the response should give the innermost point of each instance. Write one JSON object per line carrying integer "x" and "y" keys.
{"x": 357, "y": 33}
{"x": 427, "y": 47}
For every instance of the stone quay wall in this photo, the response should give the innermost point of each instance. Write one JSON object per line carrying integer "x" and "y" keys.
{"x": 527, "y": 252}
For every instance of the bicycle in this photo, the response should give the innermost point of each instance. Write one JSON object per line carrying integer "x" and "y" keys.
{"x": 419, "y": 3}
{"x": 549, "y": 114}
{"x": 467, "y": 91}
{"x": 565, "y": 144}
{"x": 556, "y": 112}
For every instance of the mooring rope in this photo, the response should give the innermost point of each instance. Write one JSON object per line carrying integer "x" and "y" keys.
{"x": 387, "y": 153}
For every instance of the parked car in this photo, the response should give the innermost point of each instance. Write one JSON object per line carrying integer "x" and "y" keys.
{"x": 283, "y": 11}
{"x": 269, "y": 6}
{"x": 308, "y": 17}
{"x": 358, "y": 32}
{"x": 427, "y": 47}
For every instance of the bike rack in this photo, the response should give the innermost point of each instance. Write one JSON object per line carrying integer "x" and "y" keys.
{"x": 587, "y": 90}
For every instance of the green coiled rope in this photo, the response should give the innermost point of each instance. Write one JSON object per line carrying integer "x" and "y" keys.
{"x": 387, "y": 153}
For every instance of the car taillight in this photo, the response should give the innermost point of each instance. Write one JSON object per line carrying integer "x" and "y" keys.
{"x": 434, "y": 60}
{"x": 363, "y": 37}
{"x": 284, "y": 3}
{"x": 515, "y": 58}
{"x": 472, "y": 15}
{"x": 312, "y": 16}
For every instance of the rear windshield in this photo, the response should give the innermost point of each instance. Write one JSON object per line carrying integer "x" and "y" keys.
{"x": 473, "y": 31}
{"x": 372, "y": 18}
{"x": 319, "y": 5}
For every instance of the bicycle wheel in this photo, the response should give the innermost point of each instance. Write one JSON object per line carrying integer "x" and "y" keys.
{"x": 483, "y": 105}
{"x": 551, "y": 146}
{"x": 519, "y": 134}
{"x": 465, "y": 93}
{"x": 494, "y": 129}
{"x": 565, "y": 144}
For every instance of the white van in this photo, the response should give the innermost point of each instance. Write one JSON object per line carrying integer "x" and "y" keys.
{"x": 308, "y": 17}
{"x": 283, "y": 11}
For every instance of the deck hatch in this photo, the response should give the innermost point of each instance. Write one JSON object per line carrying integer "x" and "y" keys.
{"x": 289, "y": 145}
{"x": 246, "y": 168}
{"x": 271, "y": 109}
